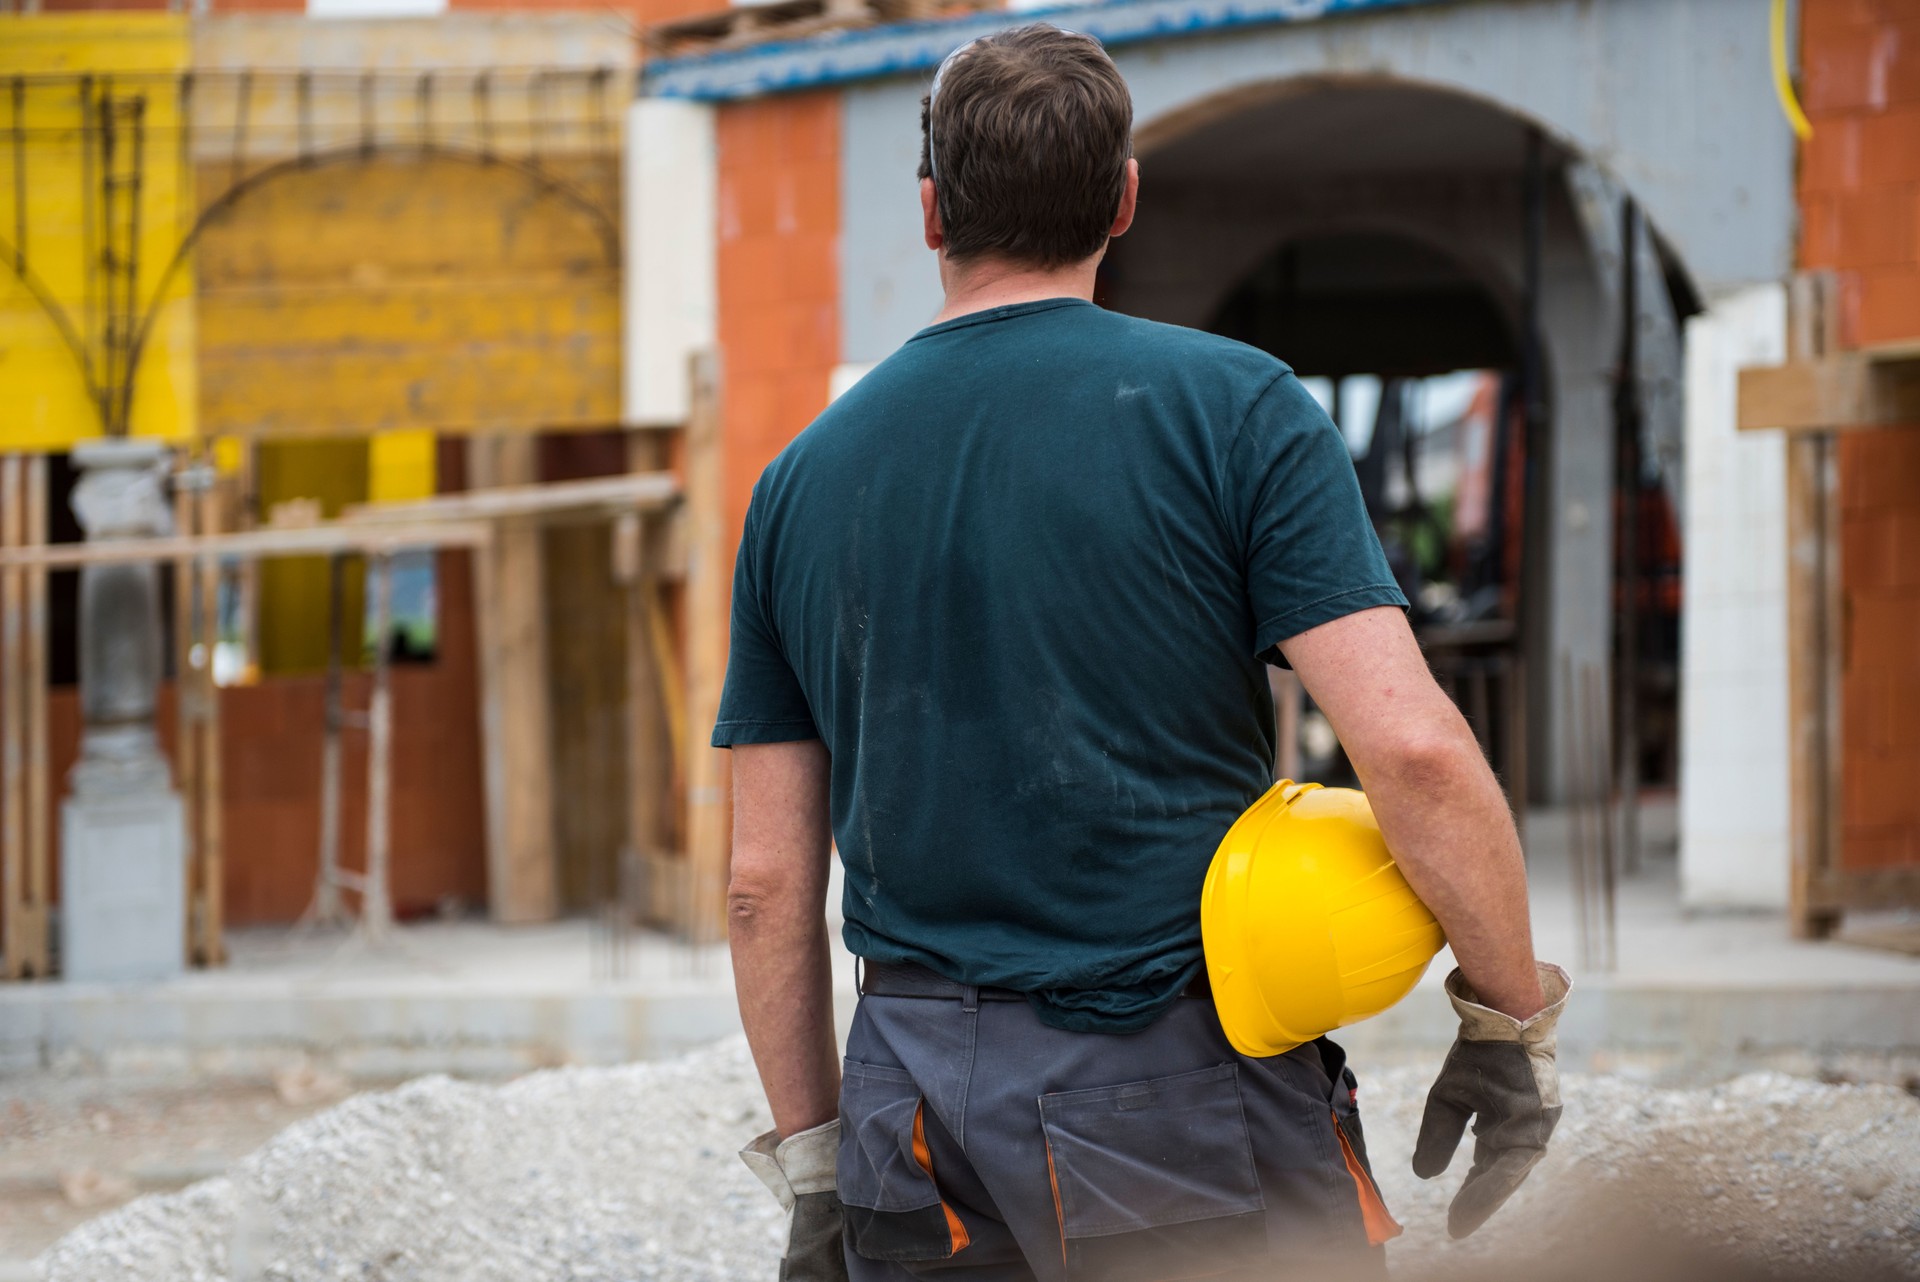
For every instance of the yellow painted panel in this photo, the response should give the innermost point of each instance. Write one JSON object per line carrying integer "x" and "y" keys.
{"x": 291, "y": 362}
{"x": 398, "y": 294}
{"x": 401, "y": 465}
{"x": 369, "y": 223}
{"x": 45, "y": 402}
{"x": 294, "y": 590}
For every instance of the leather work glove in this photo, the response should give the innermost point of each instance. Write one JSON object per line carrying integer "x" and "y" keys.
{"x": 799, "y": 1170}
{"x": 1500, "y": 1069}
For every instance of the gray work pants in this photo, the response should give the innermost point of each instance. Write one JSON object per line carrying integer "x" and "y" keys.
{"x": 979, "y": 1144}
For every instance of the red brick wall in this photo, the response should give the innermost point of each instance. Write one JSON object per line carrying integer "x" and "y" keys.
{"x": 1860, "y": 205}
{"x": 779, "y": 211}
{"x": 270, "y": 763}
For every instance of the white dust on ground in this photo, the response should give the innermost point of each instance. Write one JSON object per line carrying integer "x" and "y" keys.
{"x": 629, "y": 1174}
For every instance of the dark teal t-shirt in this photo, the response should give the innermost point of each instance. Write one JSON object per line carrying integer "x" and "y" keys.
{"x": 1021, "y": 579}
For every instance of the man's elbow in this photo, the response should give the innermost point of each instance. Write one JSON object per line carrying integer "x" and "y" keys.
{"x": 758, "y": 901}
{"x": 1430, "y": 761}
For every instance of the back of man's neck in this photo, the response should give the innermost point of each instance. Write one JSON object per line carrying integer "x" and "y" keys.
{"x": 982, "y": 285}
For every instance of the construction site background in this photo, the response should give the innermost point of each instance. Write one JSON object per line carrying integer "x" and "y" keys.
{"x": 482, "y": 320}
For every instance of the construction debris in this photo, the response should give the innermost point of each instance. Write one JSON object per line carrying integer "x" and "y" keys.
{"x": 630, "y": 1174}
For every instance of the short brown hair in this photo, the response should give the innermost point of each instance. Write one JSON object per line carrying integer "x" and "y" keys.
{"x": 1026, "y": 136}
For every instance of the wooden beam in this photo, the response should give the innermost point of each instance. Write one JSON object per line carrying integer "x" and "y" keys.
{"x": 1867, "y": 890}
{"x": 213, "y": 863}
{"x": 313, "y": 540}
{"x": 516, "y": 720}
{"x": 39, "y": 850}
{"x": 1837, "y": 391}
{"x": 650, "y": 703}
{"x": 13, "y": 827}
{"x": 709, "y": 582}
{"x": 186, "y": 727}
{"x": 1813, "y": 680}
{"x": 596, "y": 499}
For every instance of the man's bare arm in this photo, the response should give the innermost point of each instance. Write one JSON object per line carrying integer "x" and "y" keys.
{"x": 776, "y": 902}
{"x": 1438, "y": 803}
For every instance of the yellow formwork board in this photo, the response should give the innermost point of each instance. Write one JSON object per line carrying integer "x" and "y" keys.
{"x": 44, "y": 397}
{"x": 401, "y": 293}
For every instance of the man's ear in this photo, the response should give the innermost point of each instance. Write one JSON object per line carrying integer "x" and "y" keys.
{"x": 1129, "y": 198}
{"x": 930, "y": 227}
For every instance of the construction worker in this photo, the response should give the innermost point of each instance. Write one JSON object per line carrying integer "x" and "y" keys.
{"x": 1000, "y": 616}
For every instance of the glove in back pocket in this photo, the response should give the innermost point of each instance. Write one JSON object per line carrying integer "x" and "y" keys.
{"x": 892, "y": 1207}
{"x": 1155, "y": 1178}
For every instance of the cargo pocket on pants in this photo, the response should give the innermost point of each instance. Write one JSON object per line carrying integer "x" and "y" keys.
{"x": 1154, "y": 1179}
{"x": 892, "y": 1206}
{"x": 1380, "y": 1224}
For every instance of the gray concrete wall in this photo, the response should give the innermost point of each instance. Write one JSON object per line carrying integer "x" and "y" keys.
{"x": 1672, "y": 97}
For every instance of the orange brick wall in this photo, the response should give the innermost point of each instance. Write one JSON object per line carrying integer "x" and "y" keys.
{"x": 1860, "y": 205}
{"x": 779, "y": 212}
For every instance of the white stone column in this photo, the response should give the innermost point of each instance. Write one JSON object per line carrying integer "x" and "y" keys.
{"x": 123, "y": 828}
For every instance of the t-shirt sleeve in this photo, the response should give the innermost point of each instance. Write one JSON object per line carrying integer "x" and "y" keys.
{"x": 1311, "y": 552}
{"x": 762, "y": 701}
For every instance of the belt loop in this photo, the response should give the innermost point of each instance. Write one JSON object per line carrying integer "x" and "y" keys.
{"x": 970, "y": 1000}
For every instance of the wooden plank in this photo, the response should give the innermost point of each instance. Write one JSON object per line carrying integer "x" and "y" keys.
{"x": 587, "y": 656}
{"x": 1841, "y": 391}
{"x": 213, "y": 864}
{"x": 709, "y": 579}
{"x": 313, "y": 540}
{"x": 13, "y": 833}
{"x": 516, "y": 717}
{"x": 1812, "y": 650}
{"x": 597, "y": 498}
{"x": 39, "y": 851}
{"x": 186, "y": 729}
{"x": 376, "y": 904}
{"x": 650, "y": 702}
{"x": 1865, "y": 891}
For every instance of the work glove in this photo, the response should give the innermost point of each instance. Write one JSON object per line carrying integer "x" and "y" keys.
{"x": 799, "y": 1170}
{"x": 1500, "y": 1069}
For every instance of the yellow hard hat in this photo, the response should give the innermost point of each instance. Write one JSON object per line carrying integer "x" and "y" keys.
{"x": 1307, "y": 923}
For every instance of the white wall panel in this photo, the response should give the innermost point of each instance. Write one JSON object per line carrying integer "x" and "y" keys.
{"x": 671, "y": 177}
{"x": 1734, "y": 743}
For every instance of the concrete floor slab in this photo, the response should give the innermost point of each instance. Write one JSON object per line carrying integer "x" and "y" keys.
{"x": 1691, "y": 997}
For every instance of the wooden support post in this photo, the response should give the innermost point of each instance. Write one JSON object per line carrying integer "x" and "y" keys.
{"x": 213, "y": 869}
{"x": 1813, "y": 612}
{"x": 186, "y": 727}
{"x": 13, "y": 819}
{"x": 709, "y": 582}
{"x": 515, "y": 716}
{"x": 376, "y": 914}
{"x": 327, "y": 907}
{"x": 638, "y": 548}
{"x": 35, "y": 949}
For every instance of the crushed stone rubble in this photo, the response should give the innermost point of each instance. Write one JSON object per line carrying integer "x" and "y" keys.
{"x": 629, "y": 1175}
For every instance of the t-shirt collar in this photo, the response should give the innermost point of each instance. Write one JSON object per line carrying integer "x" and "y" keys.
{"x": 992, "y": 314}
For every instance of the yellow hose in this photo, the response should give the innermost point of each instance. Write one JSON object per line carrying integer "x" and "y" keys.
{"x": 1782, "y": 82}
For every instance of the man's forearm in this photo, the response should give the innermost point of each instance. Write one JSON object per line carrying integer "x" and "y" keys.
{"x": 783, "y": 976}
{"x": 1447, "y": 823}
{"x": 1439, "y": 806}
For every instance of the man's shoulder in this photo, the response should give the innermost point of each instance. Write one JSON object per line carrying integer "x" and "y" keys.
{"x": 1152, "y": 346}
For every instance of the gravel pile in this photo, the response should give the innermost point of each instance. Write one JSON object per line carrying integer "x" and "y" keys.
{"x": 628, "y": 1174}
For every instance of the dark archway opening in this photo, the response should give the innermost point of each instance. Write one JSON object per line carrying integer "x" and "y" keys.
{"x": 1431, "y": 267}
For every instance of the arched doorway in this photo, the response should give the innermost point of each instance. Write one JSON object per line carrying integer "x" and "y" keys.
{"x": 1449, "y": 280}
